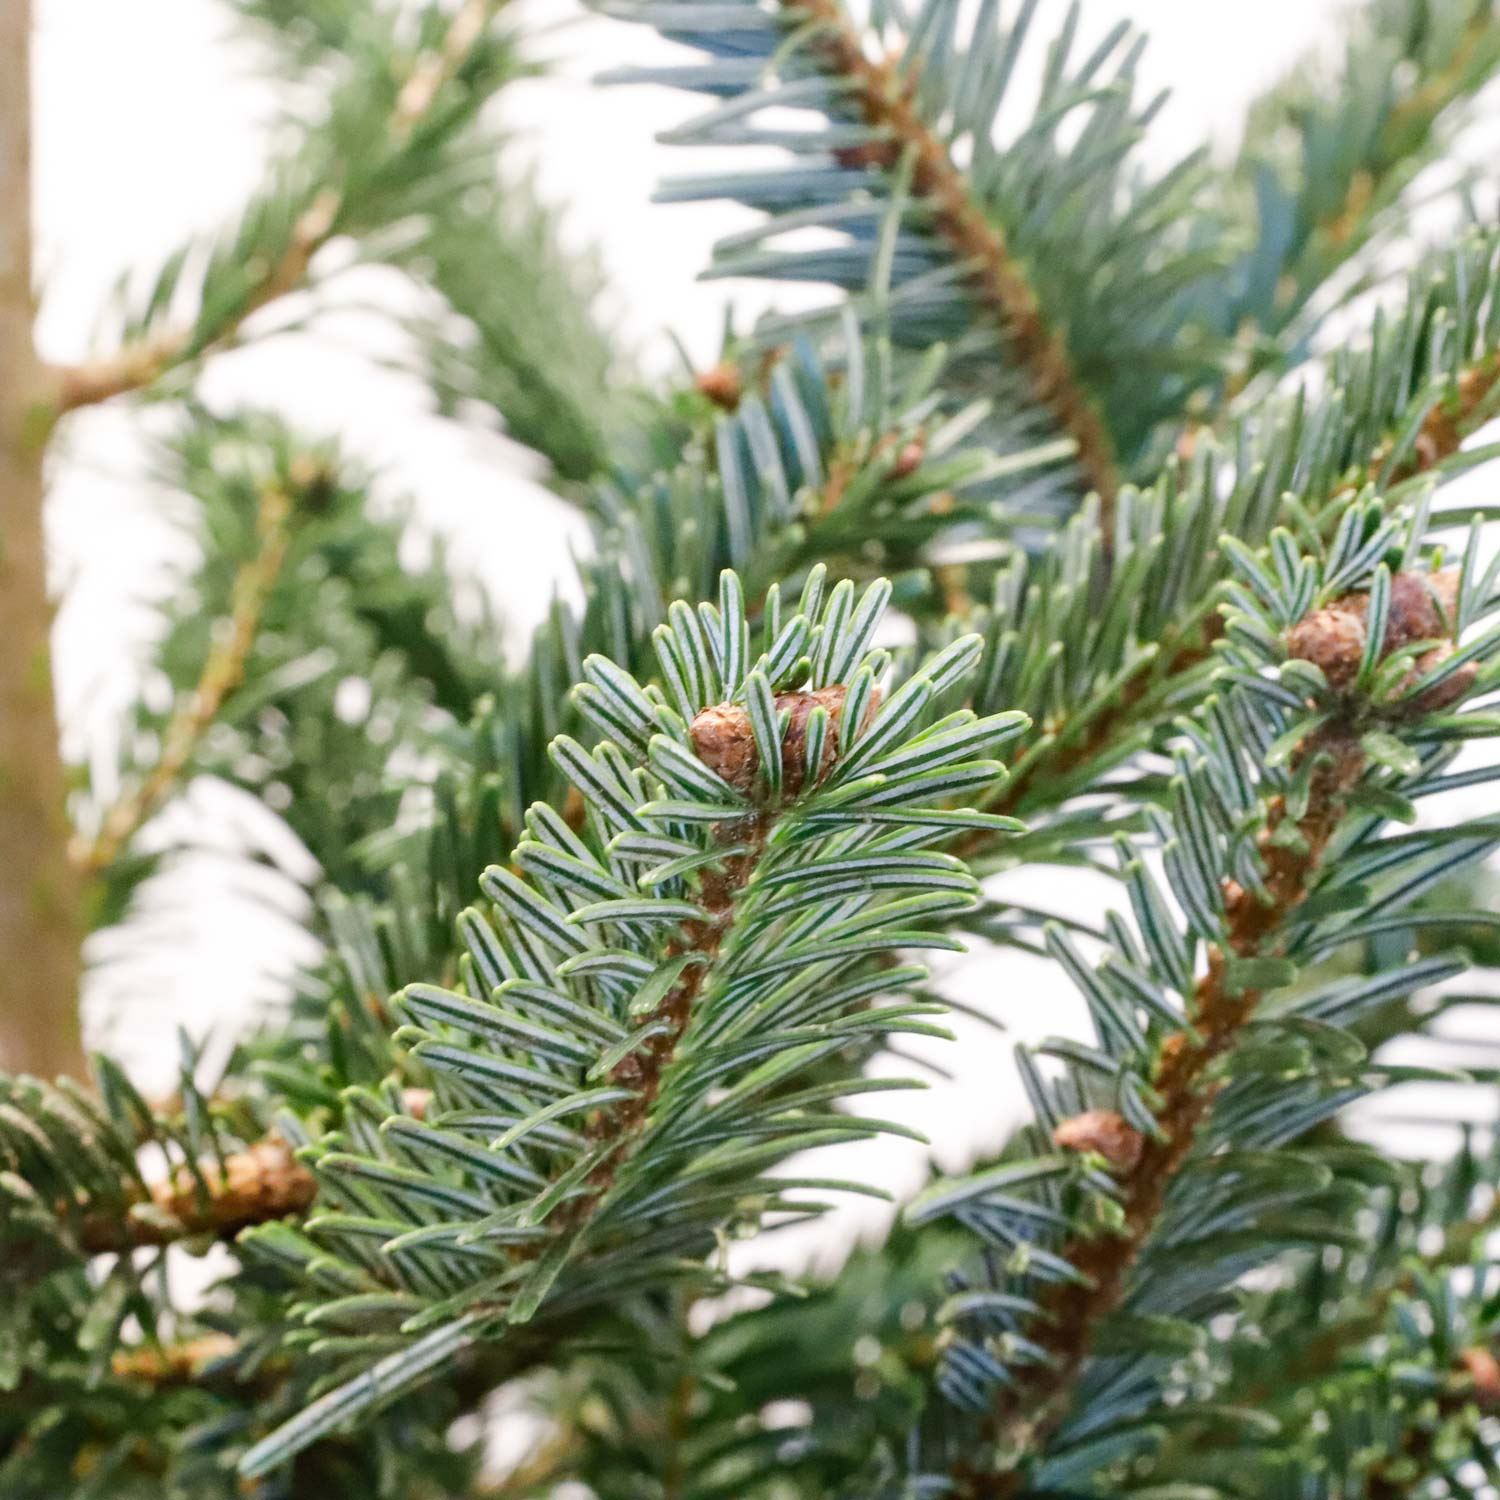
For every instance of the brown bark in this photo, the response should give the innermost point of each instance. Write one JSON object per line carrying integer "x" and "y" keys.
{"x": 39, "y": 903}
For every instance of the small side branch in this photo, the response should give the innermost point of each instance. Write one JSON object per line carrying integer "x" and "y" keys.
{"x": 722, "y": 737}
{"x": 1473, "y": 400}
{"x": 254, "y": 1186}
{"x": 1184, "y": 1080}
{"x": 437, "y": 67}
{"x": 1471, "y": 403}
{"x": 222, "y": 674}
{"x": 998, "y": 282}
{"x": 142, "y": 363}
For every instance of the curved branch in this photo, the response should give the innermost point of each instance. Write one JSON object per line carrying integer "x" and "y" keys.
{"x": 724, "y": 742}
{"x": 1076, "y": 743}
{"x": 222, "y": 673}
{"x": 143, "y": 362}
{"x": 997, "y": 280}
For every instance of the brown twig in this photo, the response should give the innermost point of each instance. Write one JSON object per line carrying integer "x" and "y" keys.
{"x": 172, "y": 1364}
{"x": 998, "y": 281}
{"x": 263, "y": 1182}
{"x": 1322, "y": 1352}
{"x": 144, "y": 361}
{"x": 1184, "y": 1080}
{"x": 1472, "y": 1390}
{"x": 439, "y": 66}
{"x": 223, "y": 672}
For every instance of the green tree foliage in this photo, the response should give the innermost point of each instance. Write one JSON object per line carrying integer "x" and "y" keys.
{"x": 1064, "y": 535}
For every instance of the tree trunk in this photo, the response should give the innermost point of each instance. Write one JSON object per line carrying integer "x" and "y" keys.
{"x": 39, "y": 895}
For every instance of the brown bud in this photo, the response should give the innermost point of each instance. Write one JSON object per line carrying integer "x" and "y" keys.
{"x": 1104, "y": 1133}
{"x": 1419, "y": 612}
{"x": 909, "y": 459}
{"x": 726, "y": 744}
{"x": 1333, "y": 640}
{"x": 1484, "y": 1370}
{"x": 1448, "y": 692}
{"x": 723, "y": 385}
{"x": 416, "y": 1102}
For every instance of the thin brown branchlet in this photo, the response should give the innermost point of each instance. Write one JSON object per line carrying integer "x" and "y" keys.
{"x": 262, "y": 1182}
{"x": 222, "y": 674}
{"x": 886, "y": 97}
{"x": 143, "y": 361}
{"x": 1187, "y": 1078}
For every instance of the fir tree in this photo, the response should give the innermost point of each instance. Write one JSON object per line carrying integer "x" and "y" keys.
{"x": 613, "y": 934}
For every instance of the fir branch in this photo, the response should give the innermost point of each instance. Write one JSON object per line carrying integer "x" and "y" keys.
{"x": 1326, "y": 162}
{"x": 1010, "y": 264}
{"x": 887, "y": 101}
{"x": 437, "y": 67}
{"x": 217, "y": 1198}
{"x": 1330, "y": 1345}
{"x": 527, "y": 342}
{"x": 820, "y": 458}
{"x": 70, "y": 1160}
{"x": 1366, "y": 679}
{"x": 222, "y": 673}
{"x": 1069, "y": 1320}
{"x": 141, "y": 363}
{"x": 651, "y": 1004}
{"x": 1388, "y": 415}
{"x": 639, "y": 1075}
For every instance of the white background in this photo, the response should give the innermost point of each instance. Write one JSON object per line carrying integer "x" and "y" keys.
{"x": 152, "y": 125}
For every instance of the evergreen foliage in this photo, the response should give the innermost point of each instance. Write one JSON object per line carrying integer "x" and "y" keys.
{"x": 1075, "y": 530}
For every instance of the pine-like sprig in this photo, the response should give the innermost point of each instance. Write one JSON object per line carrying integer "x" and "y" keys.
{"x": 641, "y": 1007}
{"x": 1164, "y": 1182}
{"x": 1046, "y": 263}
